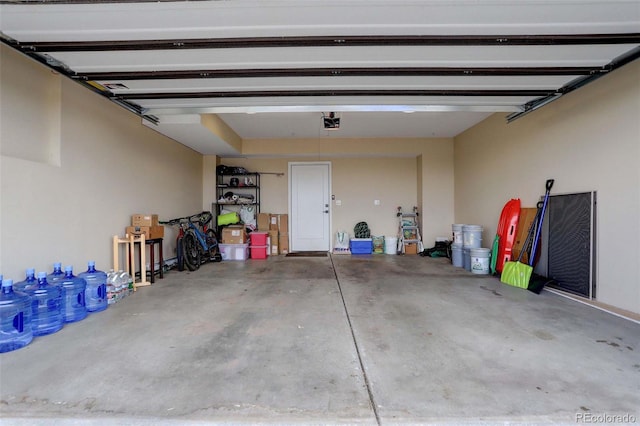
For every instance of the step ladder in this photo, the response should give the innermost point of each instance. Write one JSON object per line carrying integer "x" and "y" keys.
{"x": 409, "y": 230}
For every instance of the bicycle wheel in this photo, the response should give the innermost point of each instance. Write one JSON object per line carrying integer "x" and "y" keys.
{"x": 212, "y": 242}
{"x": 179, "y": 254}
{"x": 191, "y": 250}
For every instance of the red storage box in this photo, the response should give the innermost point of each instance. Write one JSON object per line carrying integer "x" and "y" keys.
{"x": 259, "y": 252}
{"x": 258, "y": 238}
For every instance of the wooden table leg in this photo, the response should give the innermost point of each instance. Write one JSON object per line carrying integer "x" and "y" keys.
{"x": 152, "y": 251}
{"x": 161, "y": 261}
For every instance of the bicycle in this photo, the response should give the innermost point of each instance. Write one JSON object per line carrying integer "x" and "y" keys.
{"x": 195, "y": 244}
{"x": 199, "y": 243}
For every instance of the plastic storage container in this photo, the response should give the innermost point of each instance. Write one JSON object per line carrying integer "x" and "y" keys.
{"x": 472, "y": 236}
{"x": 466, "y": 254}
{"x": 259, "y": 252}
{"x": 95, "y": 295}
{"x": 46, "y": 303}
{"x": 258, "y": 238}
{"x": 456, "y": 232}
{"x": 73, "y": 302}
{"x": 391, "y": 245}
{"x": 15, "y": 318}
{"x": 457, "y": 256}
{"x": 234, "y": 251}
{"x": 480, "y": 260}
{"x": 361, "y": 245}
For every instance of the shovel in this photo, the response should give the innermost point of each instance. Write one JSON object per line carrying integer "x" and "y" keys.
{"x": 518, "y": 274}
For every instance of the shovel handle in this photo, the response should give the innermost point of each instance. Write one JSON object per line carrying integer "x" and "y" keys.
{"x": 549, "y": 184}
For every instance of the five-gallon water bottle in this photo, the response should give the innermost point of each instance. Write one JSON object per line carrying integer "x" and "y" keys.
{"x": 30, "y": 279}
{"x": 46, "y": 303}
{"x": 96, "y": 292}
{"x": 73, "y": 302}
{"x": 57, "y": 273}
{"x": 15, "y": 318}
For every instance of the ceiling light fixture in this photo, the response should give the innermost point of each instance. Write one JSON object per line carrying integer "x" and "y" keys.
{"x": 330, "y": 121}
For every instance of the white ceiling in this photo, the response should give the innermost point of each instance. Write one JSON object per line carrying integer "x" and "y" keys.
{"x": 279, "y": 65}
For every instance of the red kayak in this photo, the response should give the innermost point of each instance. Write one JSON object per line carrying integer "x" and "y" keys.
{"x": 506, "y": 233}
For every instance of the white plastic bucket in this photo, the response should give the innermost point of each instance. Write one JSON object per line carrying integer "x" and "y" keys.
{"x": 391, "y": 245}
{"x": 480, "y": 260}
{"x": 457, "y": 233}
{"x": 472, "y": 236}
{"x": 466, "y": 254}
{"x": 457, "y": 258}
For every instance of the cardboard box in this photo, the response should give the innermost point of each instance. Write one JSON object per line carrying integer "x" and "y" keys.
{"x": 234, "y": 234}
{"x": 411, "y": 248}
{"x": 273, "y": 222}
{"x": 283, "y": 223}
{"x": 283, "y": 243}
{"x": 527, "y": 215}
{"x": 144, "y": 220}
{"x": 273, "y": 238}
{"x": 150, "y": 232}
{"x": 263, "y": 221}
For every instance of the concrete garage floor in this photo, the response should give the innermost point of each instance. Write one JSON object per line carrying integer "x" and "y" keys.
{"x": 358, "y": 340}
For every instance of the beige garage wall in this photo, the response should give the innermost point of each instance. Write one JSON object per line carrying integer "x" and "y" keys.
{"x": 356, "y": 183}
{"x": 398, "y": 172}
{"x": 587, "y": 140}
{"x": 110, "y": 166}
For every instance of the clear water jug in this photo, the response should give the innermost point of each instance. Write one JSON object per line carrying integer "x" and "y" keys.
{"x": 111, "y": 287}
{"x": 73, "y": 302}
{"x": 46, "y": 303}
{"x": 96, "y": 291}
{"x": 126, "y": 283}
{"x": 15, "y": 318}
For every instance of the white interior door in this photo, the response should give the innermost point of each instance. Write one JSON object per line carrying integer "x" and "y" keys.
{"x": 309, "y": 193}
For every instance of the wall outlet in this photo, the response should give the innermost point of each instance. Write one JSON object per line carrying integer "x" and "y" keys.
{"x": 376, "y": 202}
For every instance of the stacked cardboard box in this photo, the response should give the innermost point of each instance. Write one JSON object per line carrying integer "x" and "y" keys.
{"x": 145, "y": 224}
{"x": 234, "y": 234}
{"x": 233, "y": 245}
{"x": 277, "y": 225}
{"x": 283, "y": 229}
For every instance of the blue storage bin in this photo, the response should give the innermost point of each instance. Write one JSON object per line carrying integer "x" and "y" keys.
{"x": 361, "y": 245}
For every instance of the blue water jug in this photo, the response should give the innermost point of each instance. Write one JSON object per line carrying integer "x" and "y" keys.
{"x": 96, "y": 292}
{"x": 15, "y": 318}
{"x": 56, "y": 275}
{"x": 30, "y": 279}
{"x": 73, "y": 302}
{"x": 46, "y": 303}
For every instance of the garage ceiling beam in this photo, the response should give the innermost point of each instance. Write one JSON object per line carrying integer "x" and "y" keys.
{"x": 322, "y": 93}
{"x": 335, "y": 72}
{"x": 316, "y": 41}
{"x": 618, "y": 62}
